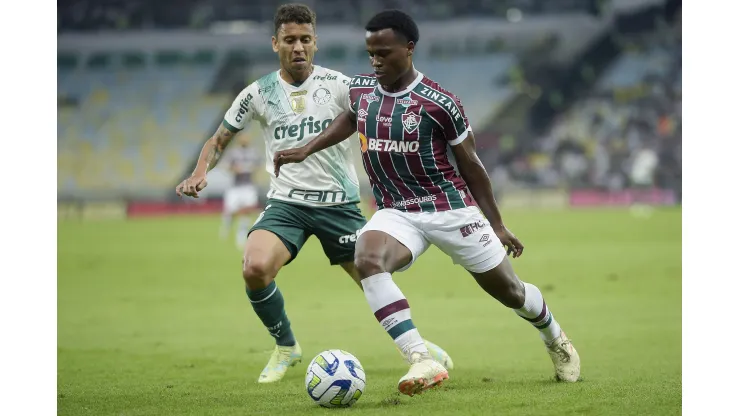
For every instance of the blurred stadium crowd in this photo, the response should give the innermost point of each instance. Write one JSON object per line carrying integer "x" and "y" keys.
{"x": 568, "y": 94}
{"x": 93, "y": 15}
{"x": 624, "y": 132}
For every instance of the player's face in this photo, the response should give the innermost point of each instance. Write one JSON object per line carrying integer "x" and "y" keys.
{"x": 295, "y": 44}
{"x": 390, "y": 55}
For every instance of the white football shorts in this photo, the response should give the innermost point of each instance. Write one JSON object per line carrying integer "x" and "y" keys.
{"x": 240, "y": 197}
{"x": 463, "y": 234}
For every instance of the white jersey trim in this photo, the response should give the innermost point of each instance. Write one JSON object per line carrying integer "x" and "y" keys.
{"x": 461, "y": 137}
{"x": 414, "y": 83}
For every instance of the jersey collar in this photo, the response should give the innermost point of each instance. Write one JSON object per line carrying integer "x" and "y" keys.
{"x": 414, "y": 83}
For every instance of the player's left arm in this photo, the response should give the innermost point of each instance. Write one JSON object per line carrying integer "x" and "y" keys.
{"x": 476, "y": 177}
{"x": 456, "y": 130}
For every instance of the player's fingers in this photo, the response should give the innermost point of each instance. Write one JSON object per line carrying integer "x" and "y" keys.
{"x": 191, "y": 190}
{"x": 518, "y": 246}
{"x": 509, "y": 248}
{"x": 276, "y": 164}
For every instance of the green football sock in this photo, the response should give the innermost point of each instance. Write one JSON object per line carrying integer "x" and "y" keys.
{"x": 269, "y": 305}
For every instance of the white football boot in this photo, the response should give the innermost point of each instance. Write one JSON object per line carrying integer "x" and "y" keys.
{"x": 282, "y": 359}
{"x": 565, "y": 358}
{"x": 424, "y": 373}
{"x": 437, "y": 353}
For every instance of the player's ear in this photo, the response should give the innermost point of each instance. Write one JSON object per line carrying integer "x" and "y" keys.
{"x": 410, "y": 47}
{"x": 315, "y": 43}
{"x": 274, "y": 44}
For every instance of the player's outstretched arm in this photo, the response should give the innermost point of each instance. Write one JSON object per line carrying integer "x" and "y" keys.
{"x": 474, "y": 173}
{"x": 209, "y": 157}
{"x": 338, "y": 131}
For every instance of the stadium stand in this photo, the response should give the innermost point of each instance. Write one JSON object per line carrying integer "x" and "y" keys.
{"x": 634, "y": 107}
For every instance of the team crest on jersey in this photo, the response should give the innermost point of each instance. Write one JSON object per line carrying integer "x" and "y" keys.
{"x": 410, "y": 122}
{"x": 321, "y": 96}
{"x": 363, "y": 142}
{"x": 298, "y": 101}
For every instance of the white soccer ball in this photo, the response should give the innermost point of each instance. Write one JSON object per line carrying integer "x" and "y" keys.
{"x": 335, "y": 378}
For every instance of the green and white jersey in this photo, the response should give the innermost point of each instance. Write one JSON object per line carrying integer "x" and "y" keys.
{"x": 290, "y": 116}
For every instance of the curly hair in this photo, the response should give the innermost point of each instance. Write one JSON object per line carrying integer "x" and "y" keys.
{"x": 400, "y": 22}
{"x": 294, "y": 13}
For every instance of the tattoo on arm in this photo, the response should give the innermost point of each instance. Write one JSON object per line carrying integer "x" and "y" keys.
{"x": 220, "y": 140}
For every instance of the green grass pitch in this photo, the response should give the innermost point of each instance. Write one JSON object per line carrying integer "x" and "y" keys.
{"x": 153, "y": 320}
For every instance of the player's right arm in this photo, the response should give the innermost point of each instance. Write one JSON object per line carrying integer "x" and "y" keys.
{"x": 340, "y": 129}
{"x": 241, "y": 110}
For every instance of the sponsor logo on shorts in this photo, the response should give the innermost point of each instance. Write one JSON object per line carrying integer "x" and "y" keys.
{"x": 486, "y": 240}
{"x": 350, "y": 238}
{"x": 471, "y": 228}
{"x": 412, "y": 201}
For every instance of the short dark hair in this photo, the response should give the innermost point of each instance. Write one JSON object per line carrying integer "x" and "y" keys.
{"x": 400, "y": 22}
{"x": 294, "y": 13}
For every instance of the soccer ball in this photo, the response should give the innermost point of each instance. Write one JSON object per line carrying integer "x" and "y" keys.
{"x": 335, "y": 378}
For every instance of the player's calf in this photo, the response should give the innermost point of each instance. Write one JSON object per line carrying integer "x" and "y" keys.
{"x": 264, "y": 255}
{"x": 528, "y": 303}
{"x": 502, "y": 284}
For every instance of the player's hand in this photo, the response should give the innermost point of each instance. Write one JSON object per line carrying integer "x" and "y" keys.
{"x": 191, "y": 186}
{"x": 514, "y": 247}
{"x": 283, "y": 157}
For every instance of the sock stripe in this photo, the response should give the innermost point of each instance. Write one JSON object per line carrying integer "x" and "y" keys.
{"x": 268, "y": 296}
{"x": 546, "y": 324}
{"x": 390, "y": 309}
{"x": 401, "y": 328}
{"x": 539, "y": 317}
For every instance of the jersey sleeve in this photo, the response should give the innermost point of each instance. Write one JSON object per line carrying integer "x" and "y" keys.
{"x": 343, "y": 92}
{"x": 353, "y": 93}
{"x": 454, "y": 122}
{"x": 242, "y": 110}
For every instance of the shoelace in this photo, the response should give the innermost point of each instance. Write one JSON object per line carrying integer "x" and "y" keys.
{"x": 283, "y": 357}
{"x": 417, "y": 357}
{"x": 560, "y": 350}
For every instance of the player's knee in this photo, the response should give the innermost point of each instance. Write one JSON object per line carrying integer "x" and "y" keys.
{"x": 368, "y": 264}
{"x": 258, "y": 270}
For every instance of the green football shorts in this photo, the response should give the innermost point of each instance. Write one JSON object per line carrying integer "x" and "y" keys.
{"x": 335, "y": 226}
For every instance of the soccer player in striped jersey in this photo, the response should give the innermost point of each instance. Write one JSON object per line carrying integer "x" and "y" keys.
{"x": 291, "y": 106}
{"x": 242, "y": 197}
{"x": 406, "y": 123}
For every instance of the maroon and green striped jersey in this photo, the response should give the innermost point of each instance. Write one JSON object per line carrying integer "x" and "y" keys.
{"x": 404, "y": 137}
